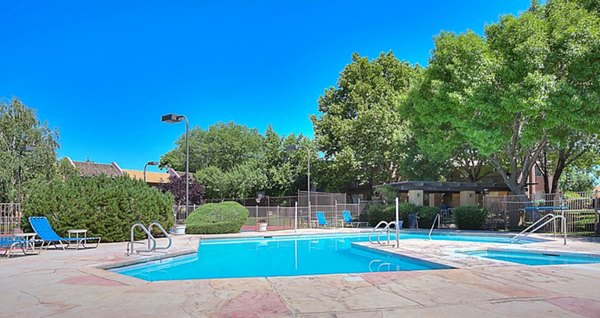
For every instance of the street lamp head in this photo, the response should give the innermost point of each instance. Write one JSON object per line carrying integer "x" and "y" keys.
{"x": 153, "y": 163}
{"x": 28, "y": 149}
{"x": 171, "y": 118}
{"x": 292, "y": 148}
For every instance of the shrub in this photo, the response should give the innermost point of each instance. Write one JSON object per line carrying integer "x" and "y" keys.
{"x": 217, "y": 218}
{"x": 105, "y": 206}
{"x": 426, "y": 215}
{"x": 380, "y": 212}
{"x": 470, "y": 217}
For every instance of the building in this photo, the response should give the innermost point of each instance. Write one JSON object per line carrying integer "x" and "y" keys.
{"x": 452, "y": 194}
{"x": 89, "y": 168}
{"x": 152, "y": 178}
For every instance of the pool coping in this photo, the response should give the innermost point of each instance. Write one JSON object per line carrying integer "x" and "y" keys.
{"x": 146, "y": 259}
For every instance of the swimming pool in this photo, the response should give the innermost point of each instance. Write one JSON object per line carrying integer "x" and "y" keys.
{"x": 536, "y": 257}
{"x": 290, "y": 256}
{"x": 280, "y": 256}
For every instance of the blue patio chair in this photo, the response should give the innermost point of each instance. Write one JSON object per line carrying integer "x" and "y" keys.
{"x": 348, "y": 220}
{"x": 10, "y": 243}
{"x": 42, "y": 227}
{"x": 322, "y": 221}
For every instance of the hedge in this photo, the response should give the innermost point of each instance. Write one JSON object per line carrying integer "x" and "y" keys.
{"x": 426, "y": 215}
{"x": 217, "y": 218}
{"x": 380, "y": 212}
{"x": 470, "y": 217}
{"x": 105, "y": 206}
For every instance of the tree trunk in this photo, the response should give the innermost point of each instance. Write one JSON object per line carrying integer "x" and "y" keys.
{"x": 520, "y": 166}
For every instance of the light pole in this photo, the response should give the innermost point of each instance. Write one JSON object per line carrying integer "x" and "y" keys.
{"x": 149, "y": 163}
{"x": 172, "y": 118}
{"x": 21, "y": 151}
{"x": 294, "y": 148}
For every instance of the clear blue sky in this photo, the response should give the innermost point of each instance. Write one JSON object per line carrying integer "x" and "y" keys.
{"x": 103, "y": 72}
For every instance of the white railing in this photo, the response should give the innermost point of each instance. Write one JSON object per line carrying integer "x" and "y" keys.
{"x": 380, "y": 230}
{"x": 10, "y": 217}
{"x": 438, "y": 218}
{"x": 545, "y": 220}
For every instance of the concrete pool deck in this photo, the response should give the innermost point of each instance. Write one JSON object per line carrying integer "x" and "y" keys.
{"x": 71, "y": 283}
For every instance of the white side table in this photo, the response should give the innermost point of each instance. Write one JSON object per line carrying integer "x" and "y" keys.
{"x": 77, "y": 233}
{"x": 29, "y": 245}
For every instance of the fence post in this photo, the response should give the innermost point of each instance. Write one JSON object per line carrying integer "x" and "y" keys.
{"x": 335, "y": 212}
{"x": 504, "y": 203}
{"x": 296, "y": 217}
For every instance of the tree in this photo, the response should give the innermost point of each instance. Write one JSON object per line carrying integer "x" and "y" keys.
{"x": 359, "y": 130}
{"x": 21, "y": 130}
{"x": 234, "y": 161}
{"x": 176, "y": 186}
{"x": 506, "y": 96}
{"x": 223, "y": 145}
{"x": 286, "y": 170}
{"x": 575, "y": 180}
{"x": 576, "y": 152}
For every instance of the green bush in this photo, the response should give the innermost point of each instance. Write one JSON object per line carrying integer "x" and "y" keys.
{"x": 217, "y": 218}
{"x": 380, "y": 212}
{"x": 105, "y": 206}
{"x": 426, "y": 215}
{"x": 470, "y": 217}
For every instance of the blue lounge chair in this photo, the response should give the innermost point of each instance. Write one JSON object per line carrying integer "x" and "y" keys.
{"x": 348, "y": 220}
{"x": 10, "y": 243}
{"x": 322, "y": 221}
{"x": 42, "y": 227}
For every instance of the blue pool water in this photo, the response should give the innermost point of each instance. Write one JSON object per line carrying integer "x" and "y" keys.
{"x": 282, "y": 256}
{"x": 288, "y": 256}
{"x": 536, "y": 258}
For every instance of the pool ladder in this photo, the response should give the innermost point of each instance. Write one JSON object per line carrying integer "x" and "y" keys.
{"x": 152, "y": 247}
{"x": 438, "y": 218}
{"x": 546, "y": 219}
{"x": 380, "y": 230}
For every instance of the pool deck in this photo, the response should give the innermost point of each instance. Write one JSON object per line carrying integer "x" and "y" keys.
{"x": 71, "y": 283}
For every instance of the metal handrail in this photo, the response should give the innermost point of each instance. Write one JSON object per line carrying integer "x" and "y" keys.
{"x": 163, "y": 232}
{"x": 387, "y": 230}
{"x": 438, "y": 217}
{"x": 375, "y": 229}
{"x": 380, "y": 230}
{"x": 132, "y": 242}
{"x": 552, "y": 218}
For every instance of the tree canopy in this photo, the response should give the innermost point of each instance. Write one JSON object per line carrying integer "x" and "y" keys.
{"x": 24, "y": 142}
{"x": 359, "y": 131}
{"x": 532, "y": 80}
{"x": 234, "y": 161}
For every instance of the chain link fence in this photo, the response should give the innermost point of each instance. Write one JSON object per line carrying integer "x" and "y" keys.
{"x": 515, "y": 212}
{"x": 280, "y": 212}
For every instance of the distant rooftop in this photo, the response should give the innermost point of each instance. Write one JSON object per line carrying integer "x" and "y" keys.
{"x": 89, "y": 168}
{"x": 434, "y": 186}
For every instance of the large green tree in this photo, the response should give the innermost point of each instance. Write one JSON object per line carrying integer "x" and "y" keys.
{"x": 222, "y": 145}
{"x": 234, "y": 161}
{"x": 359, "y": 130}
{"x": 509, "y": 94}
{"x": 27, "y": 143}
